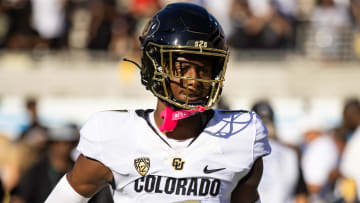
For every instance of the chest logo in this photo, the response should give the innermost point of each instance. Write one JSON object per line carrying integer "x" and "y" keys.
{"x": 207, "y": 171}
{"x": 142, "y": 165}
{"x": 177, "y": 163}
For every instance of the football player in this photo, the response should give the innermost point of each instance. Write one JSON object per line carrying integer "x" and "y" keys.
{"x": 183, "y": 151}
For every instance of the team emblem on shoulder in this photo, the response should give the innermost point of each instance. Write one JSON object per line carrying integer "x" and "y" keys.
{"x": 142, "y": 165}
{"x": 177, "y": 163}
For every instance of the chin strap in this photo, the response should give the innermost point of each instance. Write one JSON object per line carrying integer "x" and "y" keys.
{"x": 171, "y": 117}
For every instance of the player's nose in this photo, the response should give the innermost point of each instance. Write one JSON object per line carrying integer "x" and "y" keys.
{"x": 193, "y": 73}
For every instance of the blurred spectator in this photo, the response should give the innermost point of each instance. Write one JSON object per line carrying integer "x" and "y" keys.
{"x": 265, "y": 111}
{"x": 20, "y": 34}
{"x": 317, "y": 168}
{"x": 4, "y": 26}
{"x": 288, "y": 8}
{"x": 102, "y": 12}
{"x": 350, "y": 164}
{"x": 15, "y": 159}
{"x": 32, "y": 111}
{"x": 355, "y": 15}
{"x": 336, "y": 181}
{"x": 78, "y": 17}
{"x": 49, "y": 20}
{"x": 261, "y": 25}
{"x": 330, "y": 21}
{"x": 281, "y": 172}
{"x": 34, "y": 186}
{"x": 38, "y": 182}
{"x": 111, "y": 29}
{"x": 35, "y": 134}
{"x": 351, "y": 116}
{"x": 8, "y": 169}
{"x": 124, "y": 41}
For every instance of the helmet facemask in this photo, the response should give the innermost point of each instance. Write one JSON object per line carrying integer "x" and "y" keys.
{"x": 165, "y": 63}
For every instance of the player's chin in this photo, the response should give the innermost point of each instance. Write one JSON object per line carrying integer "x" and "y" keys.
{"x": 194, "y": 98}
{"x": 190, "y": 98}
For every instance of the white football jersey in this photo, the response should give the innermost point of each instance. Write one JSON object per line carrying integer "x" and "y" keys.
{"x": 147, "y": 169}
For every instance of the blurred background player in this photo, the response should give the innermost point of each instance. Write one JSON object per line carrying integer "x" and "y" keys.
{"x": 281, "y": 167}
{"x": 350, "y": 166}
{"x": 49, "y": 169}
{"x": 37, "y": 183}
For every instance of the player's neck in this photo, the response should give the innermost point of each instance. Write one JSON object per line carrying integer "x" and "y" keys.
{"x": 185, "y": 128}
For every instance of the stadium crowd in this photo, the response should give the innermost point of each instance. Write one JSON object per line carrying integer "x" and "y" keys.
{"x": 323, "y": 167}
{"x": 113, "y": 25}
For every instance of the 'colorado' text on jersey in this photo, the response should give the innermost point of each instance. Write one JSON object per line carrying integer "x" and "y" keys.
{"x": 147, "y": 169}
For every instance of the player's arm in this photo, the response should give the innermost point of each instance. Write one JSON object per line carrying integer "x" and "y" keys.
{"x": 89, "y": 176}
{"x": 246, "y": 190}
{"x": 82, "y": 182}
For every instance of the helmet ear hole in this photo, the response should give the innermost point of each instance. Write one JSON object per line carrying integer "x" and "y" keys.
{"x": 151, "y": 50}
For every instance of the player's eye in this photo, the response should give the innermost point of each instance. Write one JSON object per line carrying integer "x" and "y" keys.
{"x": 181, "y": 68}
{"x": 204, "y": 69}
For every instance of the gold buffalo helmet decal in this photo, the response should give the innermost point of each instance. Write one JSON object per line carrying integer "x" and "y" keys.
{"x": 142, "y": 165}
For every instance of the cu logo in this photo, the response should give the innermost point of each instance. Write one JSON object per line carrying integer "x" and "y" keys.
{"x": 178, "y": 164}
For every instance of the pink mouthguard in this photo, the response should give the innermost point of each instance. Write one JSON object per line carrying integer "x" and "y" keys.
{"x": 171, "y": 117}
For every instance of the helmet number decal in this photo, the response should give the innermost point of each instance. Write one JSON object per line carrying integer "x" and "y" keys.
{"x": 200, "y": 44}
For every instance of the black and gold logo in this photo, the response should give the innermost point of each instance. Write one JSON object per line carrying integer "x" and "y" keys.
{"x": 177, "y": 163}
{"x": 151, "y": 27}
{"x": 142, "y": 165}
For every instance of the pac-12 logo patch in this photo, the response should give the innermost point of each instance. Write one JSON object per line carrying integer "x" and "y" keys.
{"x": 142, "y": 165}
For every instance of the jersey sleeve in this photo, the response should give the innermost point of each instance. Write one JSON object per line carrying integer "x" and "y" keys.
{"x": 90, "y": 138}
{"x": 105, "y": 136}
{"x": 261, "y": 143}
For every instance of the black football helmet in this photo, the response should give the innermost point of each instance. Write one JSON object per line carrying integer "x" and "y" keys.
{"x": 176, "y": 30}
